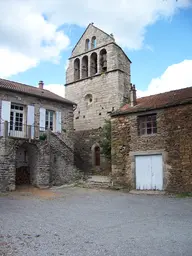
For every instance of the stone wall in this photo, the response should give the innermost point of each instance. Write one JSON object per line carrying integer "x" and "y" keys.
{"x": 101, "y": 37}
{"x": 173, "y": 139}
{"x": 107, "y": 92}
{"x": 84, "y": 146}
{"x": 7, "y": 165}
{"x": 62, "y": 168}
{"x": 51, "y": 162}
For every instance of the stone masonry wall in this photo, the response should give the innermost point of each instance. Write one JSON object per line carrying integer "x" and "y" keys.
{"x": 174, "y": 140}
{"x": 7, "y": 165}
{"x": 84, "y": 143}
{"x": 51, "y": 162}
{"x": 62, "y": 169}
{"x": 101, "y": 38}
{"x": 107, "y": 93}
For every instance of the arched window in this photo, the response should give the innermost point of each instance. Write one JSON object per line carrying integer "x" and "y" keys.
{"x": 84, "y": 68}
{"x": 87, "y": 45}
{"x": 103, "y": 60}
{"x": 93, "y": 63}
{"x": 93, "y": 42}
{"x": 77, "y": 69}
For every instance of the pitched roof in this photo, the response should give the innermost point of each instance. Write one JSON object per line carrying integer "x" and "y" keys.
{"x": 158, "y": 101}
{"x": 32, "y": 90}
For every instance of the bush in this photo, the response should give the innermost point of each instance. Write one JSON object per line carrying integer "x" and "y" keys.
{"x": 106, "y": 139}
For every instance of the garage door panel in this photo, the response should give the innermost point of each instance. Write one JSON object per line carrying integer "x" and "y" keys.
{"x": 157, "y": 172}
{"x": 143, "y": 173}
{"x": 149, "y": 172}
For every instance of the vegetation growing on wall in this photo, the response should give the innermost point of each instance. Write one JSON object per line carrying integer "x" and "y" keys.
{"x": 106, "y": 139}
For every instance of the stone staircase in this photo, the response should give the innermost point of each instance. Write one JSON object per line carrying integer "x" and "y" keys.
{"x": 96, "y": 181}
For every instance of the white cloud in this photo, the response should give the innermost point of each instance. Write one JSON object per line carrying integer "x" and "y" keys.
{"x": 58, "y": 89}
{"x": 175, "y": 77}
{"x": 26, "y": 37}
{"x": 14, "y": 62}
{"x": 30, "y": 31}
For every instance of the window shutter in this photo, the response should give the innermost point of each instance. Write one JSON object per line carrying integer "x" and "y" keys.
{"x": 5, "y": 114}
{"x": 58, "y": 122}
{"x": 42, "y": 119}
{"x": 31, "y": 119}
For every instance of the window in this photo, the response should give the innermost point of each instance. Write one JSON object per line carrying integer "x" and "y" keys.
{"x": 88, "y": 99}
{"x": 93, "y": 64}
{"x": 87, "y": 45}
{"x": 76, "y": 69}
{"x": 93, "y": 42}
{"x": 16, "y": 117}
{"x": 103, "y": 60}
{"x": 49, "y": 120}
{"x": 85, "y": 67}
{"x": 147, "y": 124}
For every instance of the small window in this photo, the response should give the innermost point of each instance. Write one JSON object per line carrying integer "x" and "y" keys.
{"x": 88, "y": 99}
{"x": 93, "y": 42}
{"x": 49, "y": 120}
{"x": 147, "y": 124}
{"x": 87, "y": 45}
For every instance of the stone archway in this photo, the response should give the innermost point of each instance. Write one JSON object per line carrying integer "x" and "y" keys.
{"x": 26, "y": 162}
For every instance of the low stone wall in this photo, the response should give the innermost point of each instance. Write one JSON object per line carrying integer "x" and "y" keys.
{"x": 62, "y": 168}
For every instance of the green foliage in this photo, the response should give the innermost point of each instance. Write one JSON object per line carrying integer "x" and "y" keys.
{"x": 184, "y": 195}
{"x": 106, "y": 139}
{"x": 43, "y": 136}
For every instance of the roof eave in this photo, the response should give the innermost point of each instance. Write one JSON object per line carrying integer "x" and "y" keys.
{"x": 40, "y": 96}
{"x": 132, "y": 111}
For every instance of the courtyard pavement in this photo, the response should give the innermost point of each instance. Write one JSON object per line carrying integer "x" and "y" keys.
{"x": 83, "y": 222}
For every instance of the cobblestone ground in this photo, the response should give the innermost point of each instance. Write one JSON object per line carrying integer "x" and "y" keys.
{"x": 83, "y": 222}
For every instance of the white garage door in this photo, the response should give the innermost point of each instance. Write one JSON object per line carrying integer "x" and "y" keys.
{"x": 149, "y": 172}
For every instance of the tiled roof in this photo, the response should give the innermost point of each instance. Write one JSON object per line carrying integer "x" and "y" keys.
{"x": 158, "y": 101}
{"x": 32, "y": 90}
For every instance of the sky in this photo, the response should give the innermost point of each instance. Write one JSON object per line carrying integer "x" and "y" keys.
{"x": 37, "y": 37}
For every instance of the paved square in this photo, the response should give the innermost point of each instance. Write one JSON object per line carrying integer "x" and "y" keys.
{"x": 83, "y": 222}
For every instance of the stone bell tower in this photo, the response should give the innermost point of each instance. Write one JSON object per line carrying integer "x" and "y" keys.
{"x": 98, "y": 80}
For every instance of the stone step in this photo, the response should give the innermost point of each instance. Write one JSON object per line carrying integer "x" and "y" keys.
{"x": 97, "y": 181}
{"x": 96, "y": 185}
{"x": 147, "y": 192}
{"x": 99, "y": 178}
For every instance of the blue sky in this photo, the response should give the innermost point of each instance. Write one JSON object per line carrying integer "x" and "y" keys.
{"x": 159, "y": 47}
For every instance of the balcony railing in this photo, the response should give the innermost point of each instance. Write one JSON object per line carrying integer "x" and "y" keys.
{"x": 10, "y": 129}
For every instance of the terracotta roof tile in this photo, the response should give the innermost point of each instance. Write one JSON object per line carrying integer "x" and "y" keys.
{"x": 158, "y": 101}
{"x": 32, "y": 90}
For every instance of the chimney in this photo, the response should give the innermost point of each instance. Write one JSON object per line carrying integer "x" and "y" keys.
{"x": 133, "y": 96}
{"x": 41, "y": 84}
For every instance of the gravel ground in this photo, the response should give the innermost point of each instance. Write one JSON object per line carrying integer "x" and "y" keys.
{"x": 83, "y": 222}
